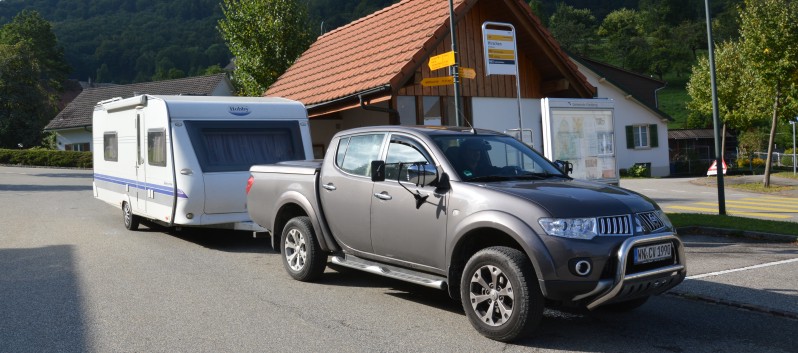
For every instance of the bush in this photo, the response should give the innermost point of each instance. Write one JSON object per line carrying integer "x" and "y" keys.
{"x": 639, "y": 170}
{"x": 46, "y": 158}
{"x": 754, "y": 163}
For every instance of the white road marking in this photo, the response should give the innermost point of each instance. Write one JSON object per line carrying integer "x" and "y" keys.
{"x": 711, "y": 274}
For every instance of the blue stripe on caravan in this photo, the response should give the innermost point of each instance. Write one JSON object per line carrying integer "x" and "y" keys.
{"x": 155, "y": 188}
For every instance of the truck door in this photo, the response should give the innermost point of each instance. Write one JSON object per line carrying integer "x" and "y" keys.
{"x": 401, "y": 227}
{"x": 346, "y": 190}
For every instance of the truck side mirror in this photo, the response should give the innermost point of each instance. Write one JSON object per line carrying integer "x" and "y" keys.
{"x": 565, "y": 166}
{"x": 377, "y": 170}
{"x": 422, "y": 174}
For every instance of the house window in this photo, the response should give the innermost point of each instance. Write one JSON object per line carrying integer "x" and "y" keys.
{"x": 429, "y": 110}
{"x": 156, "y": 147}
{"x": 81, "y": 147}
{"x": 641, "y": 136}
{"x": 110, "y": 147}
{"x": 433, "y": 112}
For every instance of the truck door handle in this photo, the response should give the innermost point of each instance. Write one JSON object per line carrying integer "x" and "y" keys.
{"x": 329, "y": 186}
{"x": 383, "y": 196}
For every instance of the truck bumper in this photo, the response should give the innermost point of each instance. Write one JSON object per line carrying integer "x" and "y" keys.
{"x": 628, "y": 280}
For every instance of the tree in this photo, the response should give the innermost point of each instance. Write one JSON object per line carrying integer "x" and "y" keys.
{"x": 28, "y": 26}
{"x": 574, "y": 29}
{"x": 265, "y": 36}
{"x": 768, "y": 33}
{"x": 25, "y": 105}
{"x": 623, "y": 32}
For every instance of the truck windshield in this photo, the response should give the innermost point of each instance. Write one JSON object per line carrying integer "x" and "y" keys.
{"x": 494, "y": 157}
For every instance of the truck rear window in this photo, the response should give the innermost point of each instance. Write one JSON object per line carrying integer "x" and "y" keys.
{"x": 223, "y": 146}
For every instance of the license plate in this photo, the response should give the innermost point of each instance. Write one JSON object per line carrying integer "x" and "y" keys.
{"x": 651, "y": 253}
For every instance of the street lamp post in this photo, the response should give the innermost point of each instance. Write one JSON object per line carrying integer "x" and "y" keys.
{"x": 793, "y": 144}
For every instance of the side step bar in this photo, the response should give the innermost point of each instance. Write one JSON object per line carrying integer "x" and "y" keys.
{"x": 402, "y": 274}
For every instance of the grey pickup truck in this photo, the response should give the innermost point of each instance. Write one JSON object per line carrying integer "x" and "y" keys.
{"x": 472, "y": 212}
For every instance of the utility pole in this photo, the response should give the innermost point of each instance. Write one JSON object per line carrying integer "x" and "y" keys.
{"x": 715, "y": 118}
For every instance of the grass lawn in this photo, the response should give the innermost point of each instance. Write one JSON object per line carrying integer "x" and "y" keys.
{"x": 732, "y": 222}
{"x": 673, "y": 100}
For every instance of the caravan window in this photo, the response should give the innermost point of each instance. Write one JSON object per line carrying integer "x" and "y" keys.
{"x": 110, "y": 147}
{"x": 237, "y": 145}
{"x": 156, "y": 147}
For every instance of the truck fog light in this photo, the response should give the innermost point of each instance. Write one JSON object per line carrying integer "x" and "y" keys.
{"x": 581, "y": 267}
{"x": 189, "y": 215}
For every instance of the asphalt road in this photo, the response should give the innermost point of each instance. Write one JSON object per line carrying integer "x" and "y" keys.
{"x": 72, "y": 279}
{"x": 700, "y": 195}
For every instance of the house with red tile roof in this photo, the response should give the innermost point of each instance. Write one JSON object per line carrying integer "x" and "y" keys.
{"x": 369, "y": 72}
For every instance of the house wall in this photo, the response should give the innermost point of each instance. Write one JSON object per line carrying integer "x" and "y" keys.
{"x": 501, "y": 114}
{"x": 323, "y": 129}
{"x": 72, "y": 136}
{"x": 631, "y": 112}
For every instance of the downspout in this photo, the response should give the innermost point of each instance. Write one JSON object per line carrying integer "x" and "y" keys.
{"x": 364, "y": 103}
{"x": 656, "y": 96}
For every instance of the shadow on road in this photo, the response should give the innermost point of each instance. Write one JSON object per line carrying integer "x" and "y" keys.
{"x": 40, "y": 301}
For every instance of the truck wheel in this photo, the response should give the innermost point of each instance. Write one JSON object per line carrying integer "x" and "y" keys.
{"x": 625, "y": 306}
{"x": 131, "y": 220}
{"x": 500, "y": 294}
{"x": 302, "y": 256}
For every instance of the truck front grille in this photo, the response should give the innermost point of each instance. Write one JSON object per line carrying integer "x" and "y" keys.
{"x": 650, "y": 221}
{"x": 615, "y": 225}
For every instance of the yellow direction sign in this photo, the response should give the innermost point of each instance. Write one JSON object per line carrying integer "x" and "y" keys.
{"x": 441, "y": 61}
{"x": 437, "y": 81}
{"x": 467, "y": 72}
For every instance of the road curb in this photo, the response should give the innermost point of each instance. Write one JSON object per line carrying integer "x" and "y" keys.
{"x": 772, "y": 237}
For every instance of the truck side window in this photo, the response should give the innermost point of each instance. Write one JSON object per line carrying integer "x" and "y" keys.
{"x": 359, "y": 153}
{"x": 110, "y": 147}
{"x": 156, "y": 147}
{"x": 402, "y": 150}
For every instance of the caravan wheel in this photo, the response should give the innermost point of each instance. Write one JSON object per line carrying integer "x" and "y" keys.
{"x": 131, "y": 220}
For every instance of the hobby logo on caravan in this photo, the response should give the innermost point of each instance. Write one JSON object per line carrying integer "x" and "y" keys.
{"x": 239, "y": 110}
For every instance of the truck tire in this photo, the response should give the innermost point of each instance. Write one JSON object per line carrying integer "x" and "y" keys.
{"x": 500, "y": 294}
{"x": 629, "y": 305}
{"x": 302, "y": 256}
{"x": 131, "y": 221}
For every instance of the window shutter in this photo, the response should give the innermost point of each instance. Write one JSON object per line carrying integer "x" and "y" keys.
{"x": 654, "y": 138}
{"x": 630, "y": 137}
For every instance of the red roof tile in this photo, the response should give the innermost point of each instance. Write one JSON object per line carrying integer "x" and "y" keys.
{"x": 364, "y": 54}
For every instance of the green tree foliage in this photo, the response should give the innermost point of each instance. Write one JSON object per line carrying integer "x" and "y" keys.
{"x": 575, "y": 29}
{"x": 756, "y": 76}
{"x": 625, "y": 39}
{"x": 266, "y": 36}
{"x": 29, "y": 27}
{"x": 768, "y": 37}
{"x": 25, "y": 104}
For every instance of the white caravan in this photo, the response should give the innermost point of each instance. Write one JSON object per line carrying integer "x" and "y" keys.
{"x": 184, "y": 160}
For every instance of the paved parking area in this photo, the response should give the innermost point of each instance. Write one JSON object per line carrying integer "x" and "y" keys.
{"x": 742, "y": 273}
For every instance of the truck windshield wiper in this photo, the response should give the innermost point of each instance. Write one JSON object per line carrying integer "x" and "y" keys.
{"x": 491, "y": 178}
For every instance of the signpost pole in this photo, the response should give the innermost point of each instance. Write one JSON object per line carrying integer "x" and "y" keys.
{"x": 500, "y": 52}
{"x": 455, "y": 68}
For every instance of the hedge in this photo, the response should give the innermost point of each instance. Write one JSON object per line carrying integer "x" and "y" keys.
{"x": 46, "y": 158}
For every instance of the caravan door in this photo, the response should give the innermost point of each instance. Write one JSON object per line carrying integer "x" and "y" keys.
{"x": 138, "y": 196}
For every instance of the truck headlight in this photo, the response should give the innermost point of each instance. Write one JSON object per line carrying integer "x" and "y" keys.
{"x": 575, "y": 228}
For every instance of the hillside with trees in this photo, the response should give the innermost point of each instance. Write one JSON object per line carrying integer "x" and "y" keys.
{"x": 124, "y": 41}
